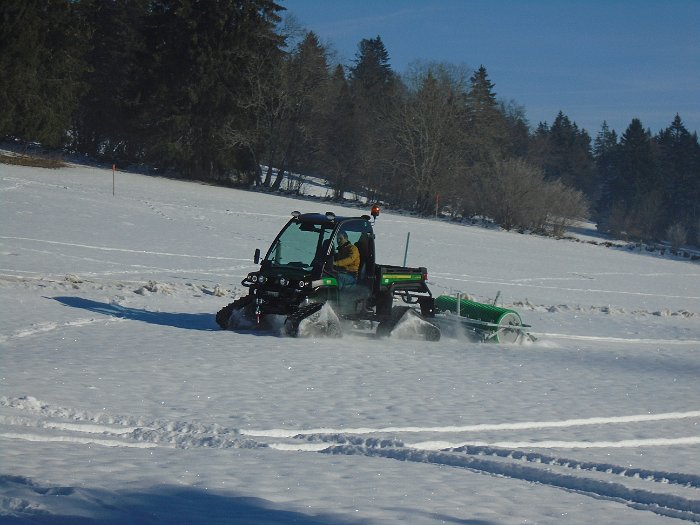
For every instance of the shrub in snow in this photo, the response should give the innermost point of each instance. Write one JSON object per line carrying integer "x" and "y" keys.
{"x": 677, "y": 235}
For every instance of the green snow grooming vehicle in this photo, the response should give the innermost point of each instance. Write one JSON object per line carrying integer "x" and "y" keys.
{"x": 299, "y": 287}
{"x": 299, "y": 284}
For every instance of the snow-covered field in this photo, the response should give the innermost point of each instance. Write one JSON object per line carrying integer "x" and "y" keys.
{"x": 120, "y": 401}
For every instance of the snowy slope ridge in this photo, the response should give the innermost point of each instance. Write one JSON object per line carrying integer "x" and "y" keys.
{"x": 121, "y": 401}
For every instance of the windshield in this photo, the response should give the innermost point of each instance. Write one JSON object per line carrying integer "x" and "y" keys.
{"x": 298, "y": 245}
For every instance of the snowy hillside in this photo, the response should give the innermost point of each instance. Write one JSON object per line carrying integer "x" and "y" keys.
{"x": 120, "y": 401}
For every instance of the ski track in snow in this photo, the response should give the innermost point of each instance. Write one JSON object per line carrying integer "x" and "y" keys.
{"x": 604, "y": 339}
{"x": 40, "y": 422}
{"x": 482, "y": 428}
{"x": 520, "y": 283}
{"x": 124, "y": 250}
{"x": 48, "y": 326}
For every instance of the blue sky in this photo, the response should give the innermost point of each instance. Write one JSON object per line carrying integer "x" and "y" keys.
{"x": 594, "y": 60}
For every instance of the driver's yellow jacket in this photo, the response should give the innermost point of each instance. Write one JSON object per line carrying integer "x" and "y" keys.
{"x": 348, "y": 258}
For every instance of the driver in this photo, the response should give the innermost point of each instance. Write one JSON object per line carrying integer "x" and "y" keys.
{"x": 347, "y": 259}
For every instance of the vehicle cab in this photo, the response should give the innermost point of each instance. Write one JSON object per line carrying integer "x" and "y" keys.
{"x": 299, "y": 265}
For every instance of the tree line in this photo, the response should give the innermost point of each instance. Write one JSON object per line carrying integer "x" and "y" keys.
{"x": 226, "y": 91}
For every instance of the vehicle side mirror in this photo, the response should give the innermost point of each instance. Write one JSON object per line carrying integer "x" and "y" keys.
{"x": 256, "y": 257}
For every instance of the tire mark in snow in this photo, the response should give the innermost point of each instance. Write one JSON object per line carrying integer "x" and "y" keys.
{"x": 326, "y": 443}
{"x": 687, "y": 480}
{"x": 80, "y": 427}
{"x": 625, "y": 443}
{"x": 640, "y": 499}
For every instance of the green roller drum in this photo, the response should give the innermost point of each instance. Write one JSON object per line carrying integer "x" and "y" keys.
{"x": 497, "y": 324}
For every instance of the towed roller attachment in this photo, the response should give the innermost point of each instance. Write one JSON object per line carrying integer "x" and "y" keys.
{"x": 492, "y": 323}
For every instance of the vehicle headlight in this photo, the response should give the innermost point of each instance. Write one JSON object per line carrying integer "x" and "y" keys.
{"x": 262, "y": 279}
{"x": 253, "y": 278}
{"x": 283, "y": 281}
{"x": 302, "y": 284}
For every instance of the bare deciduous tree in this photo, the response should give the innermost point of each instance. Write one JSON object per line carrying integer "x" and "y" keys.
{"x": 428, "y": 136}
{"x": 516, "y": 195}
{"x": 677, "y": 235}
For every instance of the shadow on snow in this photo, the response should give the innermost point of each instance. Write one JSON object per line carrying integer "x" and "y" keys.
{"x": 155, "y": 506}
{"x": 186, "y": 321}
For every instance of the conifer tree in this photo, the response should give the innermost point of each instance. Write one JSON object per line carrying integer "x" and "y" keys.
{"x": 571, "y": 159}
{"x": 201, "y": 53}
{"x": 337, "y": 135}
{"x": 42, "y": 45}
{"x": 605, "y": 152}
{"x": 637, "y": 200}
{"x": 481, "y": 99}
{"x": 371, "y": 76}
{"x": 485, "y": 124}
{"x": 605, "y": 142}
{"x": 679, "y": 174}
{"x": 106, "y": 123}
{"x": 636, "y": 163}
{"x": 539, "y": 147}
{"x": 373, "y": 86}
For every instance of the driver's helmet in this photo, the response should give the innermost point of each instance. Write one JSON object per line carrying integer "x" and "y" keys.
{"x": 342, "y": 237}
